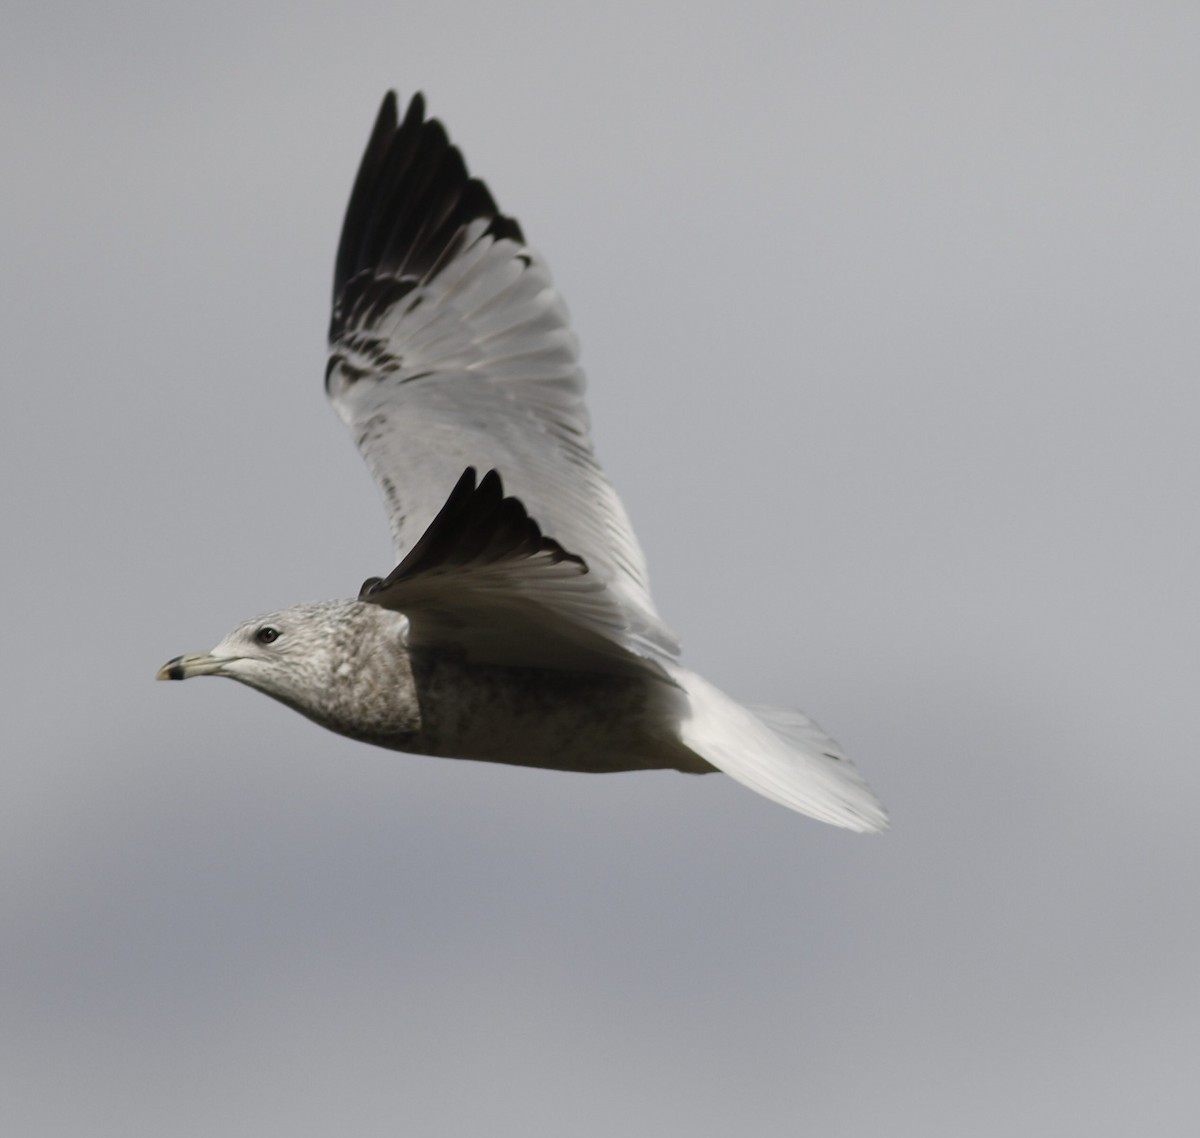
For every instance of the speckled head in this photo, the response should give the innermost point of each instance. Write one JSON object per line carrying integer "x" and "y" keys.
{"x": 341, "y": 663}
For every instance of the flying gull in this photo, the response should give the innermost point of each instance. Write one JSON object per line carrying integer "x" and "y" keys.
{"x": 517, "y": 626}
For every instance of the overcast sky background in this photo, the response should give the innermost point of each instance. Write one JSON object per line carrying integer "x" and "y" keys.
{"x": 890, "y": 318}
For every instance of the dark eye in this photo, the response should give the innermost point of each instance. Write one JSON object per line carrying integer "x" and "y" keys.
{"x": 267, "y": 634}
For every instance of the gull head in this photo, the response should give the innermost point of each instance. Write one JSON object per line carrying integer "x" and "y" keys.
{"x": 292, "y": 647}
{"x": 319, "y": 659}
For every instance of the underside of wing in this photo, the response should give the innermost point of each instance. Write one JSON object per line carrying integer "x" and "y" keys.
{"x": 450, "y": 347}
{"x": 485, "y": 579}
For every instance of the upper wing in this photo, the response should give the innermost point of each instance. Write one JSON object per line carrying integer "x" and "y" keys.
{"x": 483, "y": 577}
{"x": 449, "y": 347}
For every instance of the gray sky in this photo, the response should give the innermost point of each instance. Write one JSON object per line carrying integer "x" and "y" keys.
{"x": 890, "y": 318}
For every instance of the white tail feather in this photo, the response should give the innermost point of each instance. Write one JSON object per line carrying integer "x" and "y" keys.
{"x": 778, "y": 752}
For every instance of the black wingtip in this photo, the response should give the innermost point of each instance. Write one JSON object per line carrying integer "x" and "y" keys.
{"x": 385, "y": 121}
{"x": 412, "y": 197}
{"x": 478, "y": 525}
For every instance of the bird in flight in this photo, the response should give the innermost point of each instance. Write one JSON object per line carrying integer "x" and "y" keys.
{"x": 517, "y": 626}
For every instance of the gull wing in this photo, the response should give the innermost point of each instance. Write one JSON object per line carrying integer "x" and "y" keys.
{"x": 485, "y": 579}
{"x": 450, "y": 347}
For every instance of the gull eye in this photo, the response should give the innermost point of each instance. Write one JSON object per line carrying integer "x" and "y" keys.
{"x": 267, "y": 634}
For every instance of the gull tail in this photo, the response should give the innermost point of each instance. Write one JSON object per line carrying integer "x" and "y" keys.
{"x": 778, "y": 752}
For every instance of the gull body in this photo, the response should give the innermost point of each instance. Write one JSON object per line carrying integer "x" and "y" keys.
{"x": 517, "y": 626}
{"x": 346, "y": 666}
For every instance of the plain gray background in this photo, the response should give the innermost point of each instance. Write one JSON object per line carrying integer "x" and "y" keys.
{"x": 890, "y": 314}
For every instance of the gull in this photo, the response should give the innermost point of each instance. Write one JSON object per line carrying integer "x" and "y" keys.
{"x": 517, "y": 625}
